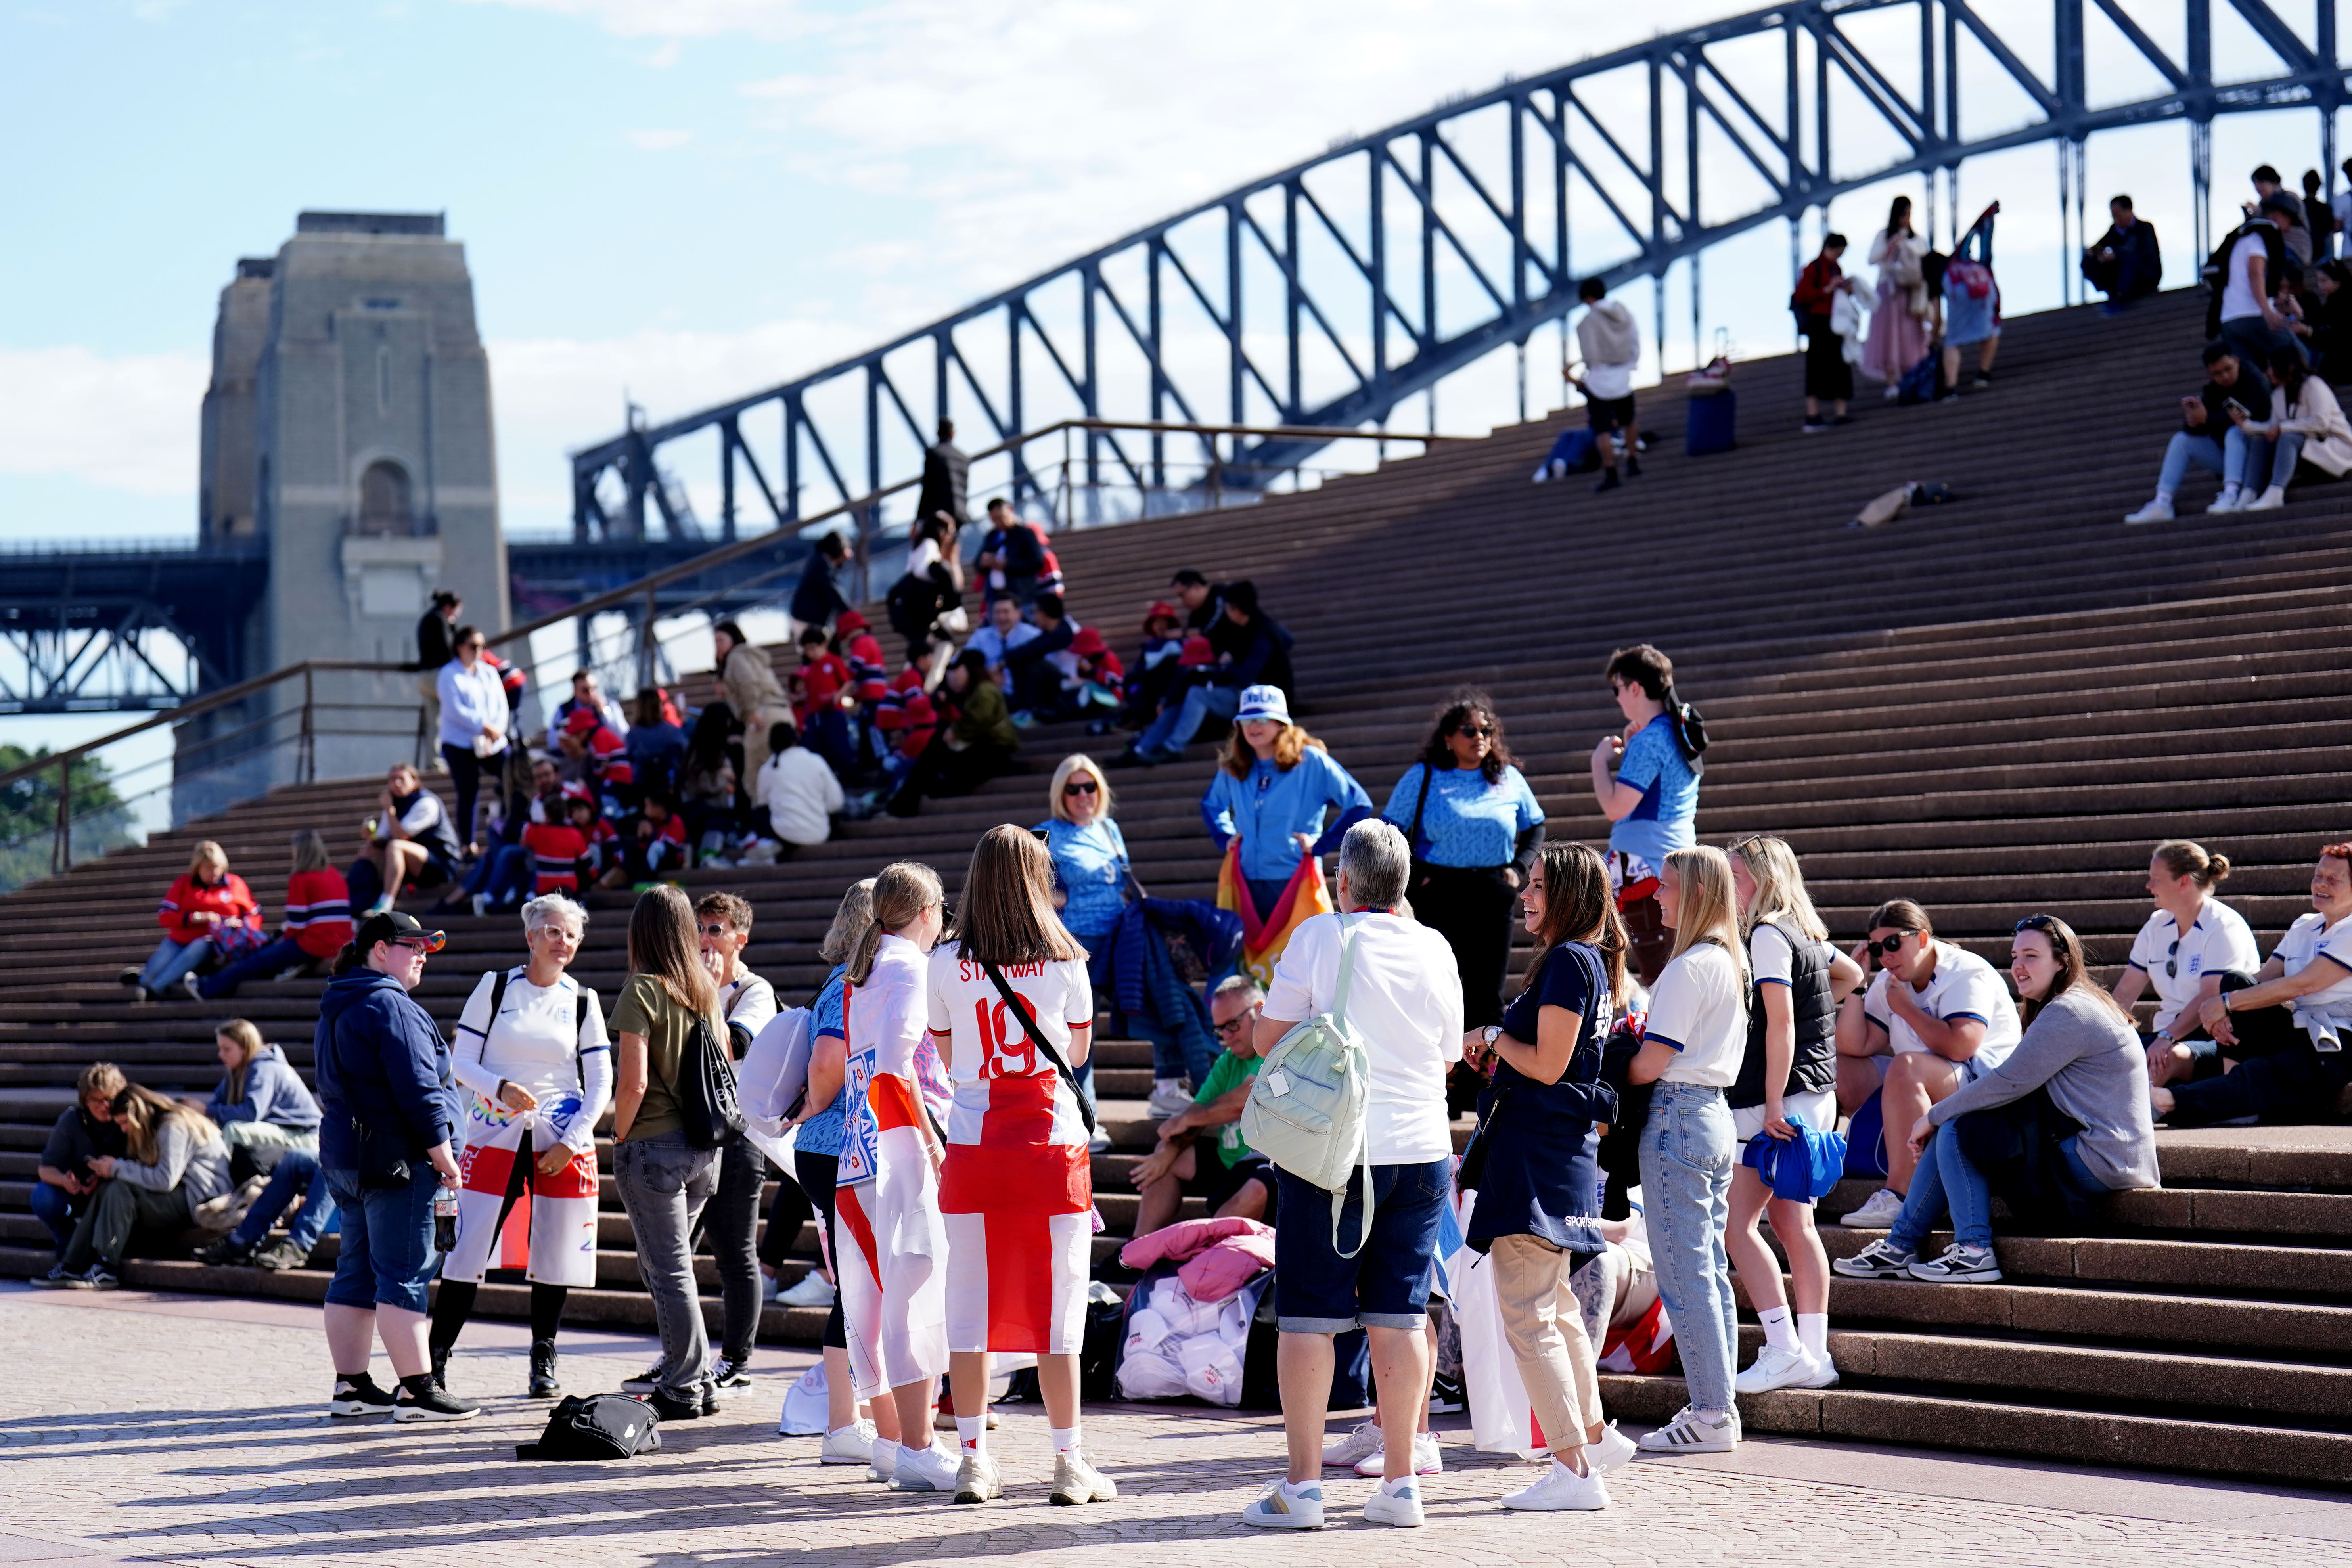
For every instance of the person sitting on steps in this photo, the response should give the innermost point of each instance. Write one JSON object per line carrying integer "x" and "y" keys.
{"x": 1200, "y": 1151}
{"x": 2310, "y": 441}
{"x": 2209, "y": 436}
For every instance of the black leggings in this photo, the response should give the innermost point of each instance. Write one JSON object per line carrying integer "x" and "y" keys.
{"x": 730, "y": 1223}
{"x": 453, "y": 1300}
{"x": 469, "y": 773}
{"x": 2279, "y": 1078}
{"x": 818, "y": 1172}
{"x": 1471, "y": 907}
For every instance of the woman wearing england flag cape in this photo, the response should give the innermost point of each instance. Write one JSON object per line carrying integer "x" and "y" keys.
{"x": 888, "y": 1238}
{"x": 1277, "y": 803}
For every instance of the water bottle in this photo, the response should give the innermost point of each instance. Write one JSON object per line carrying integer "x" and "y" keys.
{"x": 445, "y": 1219}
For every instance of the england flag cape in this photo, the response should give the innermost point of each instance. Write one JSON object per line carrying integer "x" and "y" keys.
{"x": 889, "y": 1240}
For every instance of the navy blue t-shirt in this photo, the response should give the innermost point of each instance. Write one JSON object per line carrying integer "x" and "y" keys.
{"x": 1542, "y": 1176}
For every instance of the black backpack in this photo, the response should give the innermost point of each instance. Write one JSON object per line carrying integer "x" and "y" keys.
{"x": 597, "y": 1427}
{"x": 1690, "y": 730}
{"x": 705, "y": 1091}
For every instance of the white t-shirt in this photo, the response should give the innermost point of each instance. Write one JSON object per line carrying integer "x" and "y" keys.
{"x": 2177, "y": 962}
{"x": 981, "y": 1041}
{"x": 1963, "y": 987}
{"x": 2310, "y": 939}
{"x": 1697, "y": 1006}
{"x": 537, "y": 1039}
{"x": 2239, "y": 295}
{"x": 1768, "y": 957}
{"x": 1404, "y": 1002}
{"x": 748, "y": 1000}
{"x": 799, "y": 791}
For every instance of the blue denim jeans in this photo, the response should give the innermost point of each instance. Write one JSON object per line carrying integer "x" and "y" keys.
{"x": 297, "y": 1174}
{"x": 2239, "y": 461}
{"x": 1946, "y": 1179}
{"x": 1686, "y": 1156}
{"x": 171, "y": 960}
{"x": 387, "y": 1255}
{"x": 53, "y": 1206}
{"x": 262, "y": 963}
{"x": 1174, "y": 729}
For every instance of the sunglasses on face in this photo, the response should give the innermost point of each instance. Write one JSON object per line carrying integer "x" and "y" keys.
{"x": 1080, "y": 787}
{"x": 716, "y": 929}
{"x": 1233, "y": 1026}
{"x": 1887, "y": 947}
{"x": 1477, "y": 732}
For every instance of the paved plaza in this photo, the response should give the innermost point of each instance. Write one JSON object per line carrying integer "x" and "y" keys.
{"x": 183, "y": 1429}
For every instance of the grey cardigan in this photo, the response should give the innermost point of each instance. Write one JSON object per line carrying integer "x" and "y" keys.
{"x": 2097, "y": 1073}
{"x": 200, "y": 1171}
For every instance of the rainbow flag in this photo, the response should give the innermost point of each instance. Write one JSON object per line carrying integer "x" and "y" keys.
{"x": 1265, "y": 937}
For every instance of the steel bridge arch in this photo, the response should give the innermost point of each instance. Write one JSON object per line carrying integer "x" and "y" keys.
{"x": 1556, "y": 133}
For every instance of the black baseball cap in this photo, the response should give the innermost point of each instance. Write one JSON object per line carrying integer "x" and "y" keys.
{"x": 1189, "y": 578}
{"x": 390, "y": 925}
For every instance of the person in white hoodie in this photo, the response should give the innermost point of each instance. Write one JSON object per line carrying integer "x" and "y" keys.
{"x": 2307, "y": 426}
{"x": 1612, "y": 346}
{"x": 796, "y": 791}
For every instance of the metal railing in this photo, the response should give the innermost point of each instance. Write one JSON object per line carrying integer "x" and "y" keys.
{"x": 640, "y": 642}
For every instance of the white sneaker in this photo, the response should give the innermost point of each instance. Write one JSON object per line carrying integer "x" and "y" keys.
{"x": 1884, "y": 1207}
{"x": 1688, "y": 1434}
{"x": 1098, "y": 1142}
{"x": 2157, "y": 510}
{"x": 1361, "y": 1444}
{"x": 1959, "y": 1266}
{"x": 850, "y": 1444}
{"x": 975, "y": 1479}
{"x": 2270, "y": 500}
{"x": 1402, "y": 1507}
{"x": 1169, "y": 1096}
{"x": 1273, "y": 1508}
{"x": 1613, "y": 1450}
{"x": 813, "y": 1290}
{"x": 1562, "y": 1489}
{"x": 931, "y": 1469}
{"x": 2227, "y": 500}
{"x": 885, "y": 1462}
{"x": 1076, "y": 1483}
{"x": 1426, "y": 1460}
{"x": 481, "y": 905}
{"x": 1777, "y": 1368}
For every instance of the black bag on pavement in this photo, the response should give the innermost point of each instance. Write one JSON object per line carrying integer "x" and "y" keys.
{"x": 595, "y": 1426}
{"x": 706, "y": 1090}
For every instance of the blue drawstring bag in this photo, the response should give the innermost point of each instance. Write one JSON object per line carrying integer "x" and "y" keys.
{"x": 1865, "y": 1142}
{"x": 1802, "y": 1169}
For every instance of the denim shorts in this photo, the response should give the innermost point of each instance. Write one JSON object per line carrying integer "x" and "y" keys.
{"x": 386, "y": 1257}
{"x": 1386, "y": 1284}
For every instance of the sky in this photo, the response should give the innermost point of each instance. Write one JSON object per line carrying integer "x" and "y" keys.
{"x": 676, "y": 201}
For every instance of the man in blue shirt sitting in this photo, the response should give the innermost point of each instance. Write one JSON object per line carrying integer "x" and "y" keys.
{"x": 1653, "y": 801}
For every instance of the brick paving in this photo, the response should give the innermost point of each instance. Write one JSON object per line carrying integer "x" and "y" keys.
{"x": 171, "y": 1430}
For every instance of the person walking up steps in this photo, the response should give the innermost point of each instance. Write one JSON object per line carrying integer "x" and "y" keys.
{"x": 1012, "y": 1016}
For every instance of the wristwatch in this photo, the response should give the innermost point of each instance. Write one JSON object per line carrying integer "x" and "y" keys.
{"x": 1490, "y": 1034}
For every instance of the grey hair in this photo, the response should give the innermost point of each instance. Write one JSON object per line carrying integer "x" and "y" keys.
{"x": 549, "y": 908}
{"x": 1375, "y": 860}
{"x": 1237, "y": 985}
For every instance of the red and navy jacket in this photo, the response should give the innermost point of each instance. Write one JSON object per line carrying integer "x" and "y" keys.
{"x": 319, "y": 912}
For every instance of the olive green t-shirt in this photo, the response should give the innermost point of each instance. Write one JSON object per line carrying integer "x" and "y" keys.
{"x": 647, "y": 1008}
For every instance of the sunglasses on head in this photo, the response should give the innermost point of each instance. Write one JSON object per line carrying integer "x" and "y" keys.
{"x": 1080, "y": 787}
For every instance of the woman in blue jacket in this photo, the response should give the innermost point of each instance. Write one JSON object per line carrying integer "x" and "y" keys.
{"x": 387, "y": 1114}
{"x": 1278, "y": 791}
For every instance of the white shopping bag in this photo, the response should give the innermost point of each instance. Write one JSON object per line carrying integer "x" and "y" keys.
{"x": 805, "y": 1405}
{"x": 1501, "y": 1420}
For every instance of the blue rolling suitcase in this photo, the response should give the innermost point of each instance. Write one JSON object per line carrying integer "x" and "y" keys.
{"x": 1711, "y": 421}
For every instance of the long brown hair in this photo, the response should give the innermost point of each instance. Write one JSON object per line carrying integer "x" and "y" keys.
{"x": 1466, "y": 703}
{"x": 1578, "y": 906}
{"x": 2067, "y": 948}
{"x": 249, "y": 1040}
{"x": 902, "y": 891}
{"x": 1005, "y": 914}
{"x": 1288, "y": 747}
{"x": 310, "y": 851}
{"x": 662, "y": 944}
{"x": 141, "y": 1112}
{"x": 849, "y": 922}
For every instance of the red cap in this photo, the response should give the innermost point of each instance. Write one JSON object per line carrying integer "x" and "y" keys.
{"x": 849, "y": 621}
{"x": 1195, "y": 653}
{"x": 1159, "y": 609}
{"x": 583, "y": 720}
{"x": 1088, "y": 643}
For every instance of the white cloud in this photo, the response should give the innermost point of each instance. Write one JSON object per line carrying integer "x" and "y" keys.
{"x": 659, "y": 140}
{"x": 126, "y": 422}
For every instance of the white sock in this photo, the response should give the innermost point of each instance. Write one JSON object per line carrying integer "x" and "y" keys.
{"x": 1065, "y": 1439}
{"x": 1395, "y": 1488}
{"x": 1779, "y": 1332}
{"x": 908, "y": 1451}
{"x": 2164, "y": 497}
{"x": 971, "y": 1431}
{"x": 1814, "y": 1333}
{"x": 1297, "y": 1489}
{"x": 2229, "y": 491}
{"x": 1560, "y": 1468}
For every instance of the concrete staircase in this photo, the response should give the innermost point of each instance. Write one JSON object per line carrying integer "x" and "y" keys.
{"x": 1993, "y": 707}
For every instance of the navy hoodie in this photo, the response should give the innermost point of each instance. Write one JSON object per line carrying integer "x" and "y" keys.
{"x": 381, "y": 1061}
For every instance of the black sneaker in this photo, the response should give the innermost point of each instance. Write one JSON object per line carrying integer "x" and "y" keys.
{"x": 728, "y": 1377}
{"x": 99, "y": 1278}
{"x": 1880, "y": 1260}
{"x": 1633, "y": 467}
{"x": 709, "y": 1400}
{"x": 1815, "y": 424}
{"x": 129, "y": 975}
{"x": 670, "y": 1409}
{"x": 543, "y": 1383}
{"x": 225, "y": 1253}
{"x": 440, "y": 1374}
{"x": 418, "y": 1400}
{"x": 1446, "y": 1395}
{"x": 646, "y": 1382}
{"x": 57, "y": 1279}
{"x": 1980, "y": 378}
{"x": 1609, "y": 481}
{"x": 282, "y": 1256}
{"x": 359, "y": 1396}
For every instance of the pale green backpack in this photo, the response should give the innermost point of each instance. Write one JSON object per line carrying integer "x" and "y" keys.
{"x": 1308, "y": 1108}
